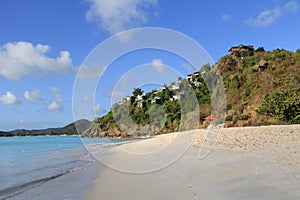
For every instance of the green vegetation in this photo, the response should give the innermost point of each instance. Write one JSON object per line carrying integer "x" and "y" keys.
{"x": 157, "y": 111}
{"x": 262, "y": 88}
{"x": 283, "y": 105}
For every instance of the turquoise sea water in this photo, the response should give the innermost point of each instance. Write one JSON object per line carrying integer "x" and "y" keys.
{"x": 26, "y": 162}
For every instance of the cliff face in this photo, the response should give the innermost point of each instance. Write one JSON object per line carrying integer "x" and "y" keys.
{"x": 262, "y": 88}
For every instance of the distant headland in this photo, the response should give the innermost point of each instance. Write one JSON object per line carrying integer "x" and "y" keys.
{"x": 69, "y": 129}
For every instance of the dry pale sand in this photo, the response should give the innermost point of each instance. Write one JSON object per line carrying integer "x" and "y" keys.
{"x": 245, "y": 163}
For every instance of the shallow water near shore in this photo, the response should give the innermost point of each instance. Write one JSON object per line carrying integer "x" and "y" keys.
{"x": 27, "y": 162}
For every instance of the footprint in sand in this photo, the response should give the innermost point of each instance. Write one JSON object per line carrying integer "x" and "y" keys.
{"x": 191, "y": 187}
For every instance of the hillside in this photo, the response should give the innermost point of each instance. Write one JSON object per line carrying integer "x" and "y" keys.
{"x": 262, "y": 88}
{"x": 70, "y": 129}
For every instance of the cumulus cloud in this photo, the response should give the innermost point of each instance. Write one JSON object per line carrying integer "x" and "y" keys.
{"x": 266, "y": 17}
{"x": 9, "y": 98}
{"x": 118, "y": 15}
{"x": 32, "y": 96}
{"x": 158, "y": 65}
{"x": 54, "y": 106}
{"x": 57, "y": 104}
{"x": 56, "y": 92}
{"x": 23, "y": 58}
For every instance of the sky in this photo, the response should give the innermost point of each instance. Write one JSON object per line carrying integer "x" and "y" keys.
{"x": 45, "y": 44}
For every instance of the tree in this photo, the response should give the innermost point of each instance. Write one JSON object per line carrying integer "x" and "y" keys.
{"x": 260, "y": 49}
{"x": 167, "y": 94}
{"x": 283, "y": 105}
{"x": 137, "y": 91}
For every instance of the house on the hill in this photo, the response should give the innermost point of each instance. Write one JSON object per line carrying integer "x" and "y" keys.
{"x": 174, "y": 98}
{"x": 175, "y": 88}
{"x": 194, "y": 78}
{"x": 141, "y": 104}
{"x": 190, "y": 77}
{"x": 141, "y": 97}
{"x": 241, "y": 49}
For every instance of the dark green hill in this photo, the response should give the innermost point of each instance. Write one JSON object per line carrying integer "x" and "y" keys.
{"x": 70, "y": 129}
{"x": 262, "y": 88}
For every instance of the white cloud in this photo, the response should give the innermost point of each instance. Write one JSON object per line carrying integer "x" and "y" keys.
{"x": 292, "y": 6}
{"x": 57, "y": 103}
{"x": 158, "y": 65}
{"x": 266, "y": 17}
{"x": 23, "y": 58}
{"x": 56, "y": 91}
{"x": 54, "y": 106}
{"x": 118, "y": 15}
{"x": 226, "y": 17}
{"x": 9, "y": 98}
{"x": 98, "y": 109}
{"x": 91, "y": 71}
{"x": 32, "y": 96}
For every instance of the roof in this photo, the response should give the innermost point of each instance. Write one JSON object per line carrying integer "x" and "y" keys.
{"x": 210, "y": 117}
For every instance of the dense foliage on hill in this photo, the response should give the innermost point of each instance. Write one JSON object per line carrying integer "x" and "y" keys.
{"x": 262, "y": 88}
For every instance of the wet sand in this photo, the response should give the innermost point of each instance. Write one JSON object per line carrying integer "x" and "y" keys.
{"x": 246, "y": 163}
{"x": 72, "y": 186}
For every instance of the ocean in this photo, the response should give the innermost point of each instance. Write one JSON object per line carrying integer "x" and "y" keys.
{"x": 27, "y": 162}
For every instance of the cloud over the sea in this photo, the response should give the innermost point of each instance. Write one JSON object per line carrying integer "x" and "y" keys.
{"x": 32, "y": 96}
{"x": 118, "y": 15}
{"x": 57, "y": 103}
{"x": 9, "y": 98}
{"x": 23, "y": 58}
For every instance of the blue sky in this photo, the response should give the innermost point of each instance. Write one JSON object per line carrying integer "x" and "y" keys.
{"x": 42, "y": 44}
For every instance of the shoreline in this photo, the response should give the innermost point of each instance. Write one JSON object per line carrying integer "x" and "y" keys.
{"x": 74, "y": 185}
{"x": 246, "y": 163}
{"x": 147, "y": 137}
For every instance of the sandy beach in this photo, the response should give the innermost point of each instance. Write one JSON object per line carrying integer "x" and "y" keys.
{"x": 245, "y": 163}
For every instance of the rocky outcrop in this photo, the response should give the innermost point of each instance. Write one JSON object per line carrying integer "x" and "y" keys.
{"x": 94, "y": 131}
{"x": 261, "y": 66}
